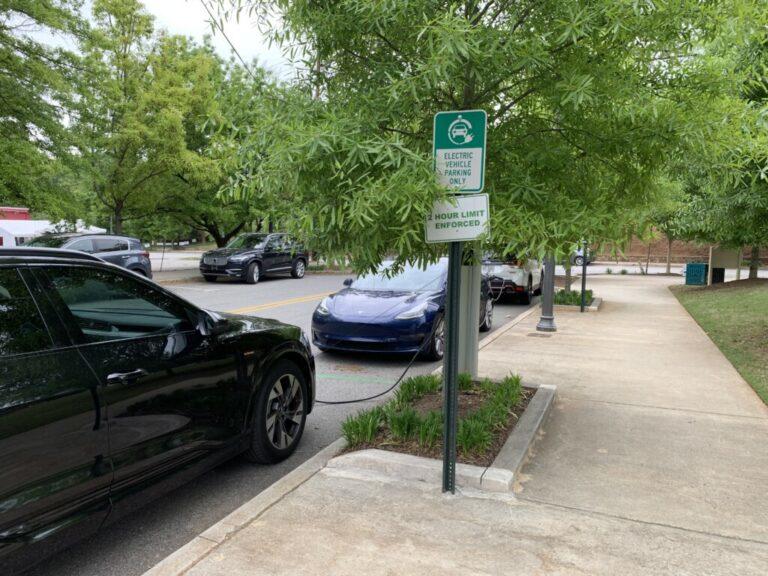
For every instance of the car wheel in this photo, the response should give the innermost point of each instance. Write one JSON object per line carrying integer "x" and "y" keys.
{"x": 579, "y": 261}
{"x": 253, "y": 273}
{"x": 527, "y": 296}
{"x": 299, "y": 269}
{"x": 209, "y": 278}
{"x": 436, "y": 349}
{"x": 280, "y": 414}
{"x": 537, "y": 291}
{"x": 487, "y": 323}
{"x": 139, "y": 271}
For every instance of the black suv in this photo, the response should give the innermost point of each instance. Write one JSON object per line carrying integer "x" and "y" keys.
{"x": 121, "y": 250}
{"x": 250, "y": 256}
{"x": 109, "y": 384}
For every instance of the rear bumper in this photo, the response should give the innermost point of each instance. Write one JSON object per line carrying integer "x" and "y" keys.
{"x": 505, "y": 288}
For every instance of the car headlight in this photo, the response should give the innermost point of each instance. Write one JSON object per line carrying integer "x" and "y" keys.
{"x": 239, "y": 258}
{"x": 322, "y": 308}
{"x": 414, "y": 312}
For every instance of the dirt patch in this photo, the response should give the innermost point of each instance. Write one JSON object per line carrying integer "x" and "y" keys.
{"x": 469, "y": 401}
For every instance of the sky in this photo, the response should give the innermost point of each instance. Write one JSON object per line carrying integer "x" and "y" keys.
{"x": 189, "y": 18}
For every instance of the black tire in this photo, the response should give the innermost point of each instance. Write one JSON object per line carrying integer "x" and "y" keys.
{"x": 579, "y": 261}
{"x": 527, "y": 296}
{"x": 487, "y": 323}
{"x": 299, "y": 268}
{"x": 436, "y": 348}
{"x": 139, "y": 271}
{"x": 209, "y": 278}
{"x": 253, "y": 273}
{"x": 282, "y": 397}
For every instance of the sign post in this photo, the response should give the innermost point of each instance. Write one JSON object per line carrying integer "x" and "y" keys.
{"x": 459, "y": 160}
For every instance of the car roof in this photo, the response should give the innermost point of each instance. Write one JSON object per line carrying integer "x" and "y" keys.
{"x": 20, "y": 253}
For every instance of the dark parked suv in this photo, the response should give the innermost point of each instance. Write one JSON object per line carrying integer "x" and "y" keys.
{"x": 250, "y": 256}
{"x": 121, "y": 250}
{"x": 110, "y": 385}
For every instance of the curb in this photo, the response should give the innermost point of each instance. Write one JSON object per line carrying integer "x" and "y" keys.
{"x": 516, "y": 450}
{"x": 593, "y": 307}
{"x": 507, "y": 327}
{"x": 202, "y": 545}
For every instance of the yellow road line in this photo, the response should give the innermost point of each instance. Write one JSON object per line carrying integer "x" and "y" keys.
{"x": 278, "y": 303}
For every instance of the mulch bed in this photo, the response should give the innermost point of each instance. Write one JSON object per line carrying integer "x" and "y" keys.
{"x": 469, "y": 402}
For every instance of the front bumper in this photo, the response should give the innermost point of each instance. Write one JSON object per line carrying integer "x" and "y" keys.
{"x": 399, "y": 336}
{"x": 230, "y": 269}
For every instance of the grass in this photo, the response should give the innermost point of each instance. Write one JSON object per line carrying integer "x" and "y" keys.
{"x": 735, "y": 316}
{"x": 398, "y": 424}
{"x": 572, "y": 298}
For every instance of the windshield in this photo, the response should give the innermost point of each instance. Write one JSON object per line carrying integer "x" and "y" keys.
{"x": 411, "y": 279}
{"x": 248, "y": 241}
{"x": 48, "y": 241}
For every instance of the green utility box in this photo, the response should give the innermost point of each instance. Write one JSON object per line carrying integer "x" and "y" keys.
{"x": 696, "y": 274}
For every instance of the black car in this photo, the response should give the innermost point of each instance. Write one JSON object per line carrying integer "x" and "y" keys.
{"x": 120, "y": 250}
{"x": 250, "y": 256}
{"x": 114, "y": 390}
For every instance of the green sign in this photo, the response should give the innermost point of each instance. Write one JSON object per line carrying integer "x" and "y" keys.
{"x": 459, "y": 149}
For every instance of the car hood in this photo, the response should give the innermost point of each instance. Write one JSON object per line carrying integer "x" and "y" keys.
{"x": 364, "y": 305}
{"x": 231, "y": 251}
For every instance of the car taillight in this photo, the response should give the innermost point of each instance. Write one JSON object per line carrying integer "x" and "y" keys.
{"x": 145, "y": 254}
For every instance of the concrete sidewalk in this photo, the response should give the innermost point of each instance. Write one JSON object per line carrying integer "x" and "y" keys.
{"x": 654, "y": 461}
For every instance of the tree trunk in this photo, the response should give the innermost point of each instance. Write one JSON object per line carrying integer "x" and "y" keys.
{"x": 754, "y": 262}
{"x": 568, "y": 279}
{"x": 669, "y": 254}
{"x": 648, "y": 258}
{"x": 117, "y": 222}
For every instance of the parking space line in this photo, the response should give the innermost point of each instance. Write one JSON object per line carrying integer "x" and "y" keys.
{"x": 279, "y": 303}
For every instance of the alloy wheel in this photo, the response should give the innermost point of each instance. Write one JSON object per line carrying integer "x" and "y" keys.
{"x": 285, "y": 411}
{"x": 488, "y": 314}
{"x": 439, "y": 339}
{"x": 300, "y": 269}
{"x": 256, "y": 273}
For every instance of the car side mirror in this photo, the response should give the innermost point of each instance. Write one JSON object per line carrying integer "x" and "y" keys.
{"x": 211, "y": 324}
{"x": 348, "y": 282}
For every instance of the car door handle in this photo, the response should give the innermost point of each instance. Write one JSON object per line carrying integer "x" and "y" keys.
{"x": 124, "y": 377}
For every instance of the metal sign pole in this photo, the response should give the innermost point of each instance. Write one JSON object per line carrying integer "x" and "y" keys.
{"x": 451, "y": 367}
{"x": 584, "y": 277}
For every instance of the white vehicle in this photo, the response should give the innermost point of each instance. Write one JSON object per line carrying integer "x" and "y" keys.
{"x": 513, "y": 277}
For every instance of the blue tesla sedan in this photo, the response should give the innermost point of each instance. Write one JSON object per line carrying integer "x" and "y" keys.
{"x": 398, "y": 314}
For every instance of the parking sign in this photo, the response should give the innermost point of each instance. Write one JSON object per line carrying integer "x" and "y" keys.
{"x": 458, "y": 149}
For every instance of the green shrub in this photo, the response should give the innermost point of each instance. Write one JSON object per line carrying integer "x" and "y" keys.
{"x": 624, "y": 272}
{"x": 362, "y": 427}
{"x": 609, "y": 270}
{"x": 430, "y": 429}
{"x": 465, "y": 381}
{"x": 473, "y": 436}
{"x": 414, "y": 388}
{"x": 404, "y": 423}
{"x": 572, "y": 298}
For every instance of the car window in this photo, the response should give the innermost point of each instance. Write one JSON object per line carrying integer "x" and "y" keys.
{"x": 109, "y": 245}
{"x": 21, "y": 327}
{"x": 275, "y": 243}
{"x": 109, "y": 306}
{"x": 411, "y": 279}
{"x": 82, "y": 245}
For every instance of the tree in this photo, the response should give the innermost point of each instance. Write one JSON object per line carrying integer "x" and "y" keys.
{"x": 133, "y": 108}
{"x": 216, "y": 130}
{"x": 37, "y": 83}
{"x": 585, "y": 100}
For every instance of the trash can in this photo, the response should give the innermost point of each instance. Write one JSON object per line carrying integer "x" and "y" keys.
{"x": 696, "y": 274}
{"x": 718, "y": 275}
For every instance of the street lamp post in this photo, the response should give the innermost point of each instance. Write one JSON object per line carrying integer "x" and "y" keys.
{"x": 547, "y": 320}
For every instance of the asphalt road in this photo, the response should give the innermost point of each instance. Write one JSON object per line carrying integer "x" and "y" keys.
{"x": 137, "y": 542}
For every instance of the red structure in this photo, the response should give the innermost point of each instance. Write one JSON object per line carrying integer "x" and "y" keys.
{"x": 10, "y": 213}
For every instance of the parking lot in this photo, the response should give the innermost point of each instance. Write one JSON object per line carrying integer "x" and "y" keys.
{"x": 135, "y": 544}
